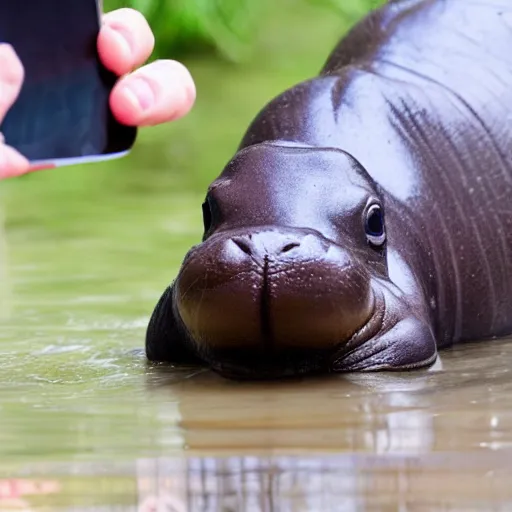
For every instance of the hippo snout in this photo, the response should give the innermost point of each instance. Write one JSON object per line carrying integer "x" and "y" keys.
{"x": 268, "y": 298}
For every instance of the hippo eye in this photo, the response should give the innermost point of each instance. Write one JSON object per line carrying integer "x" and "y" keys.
{"x": 207, "y": 215}
{"x": 374, "y": 226}
{"x": 212, "y": 214}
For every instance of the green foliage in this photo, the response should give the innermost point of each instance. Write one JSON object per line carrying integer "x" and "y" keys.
{"x": 228, "y": 27}
{"x": 192, "y": 26}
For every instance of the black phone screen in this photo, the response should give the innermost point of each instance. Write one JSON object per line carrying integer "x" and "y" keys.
{"x": 62, "y": 111}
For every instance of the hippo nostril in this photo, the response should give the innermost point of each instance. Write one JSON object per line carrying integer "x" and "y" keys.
{"x": 265, "y": 244}
{"x": 290, "y": 246}
{"x": 243, "y": 245}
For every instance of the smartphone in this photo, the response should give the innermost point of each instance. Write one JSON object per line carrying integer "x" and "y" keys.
{"x": 62, "y": 115}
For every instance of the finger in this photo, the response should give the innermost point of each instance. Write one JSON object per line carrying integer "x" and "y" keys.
{"x": 159, "y": 92}
{"x": 11, "y": 78}
{"x": 125, "y": 40}
{"x": 12, "y": 163}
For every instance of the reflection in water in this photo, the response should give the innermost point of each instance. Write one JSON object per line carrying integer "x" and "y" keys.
{"x": 14, "y": 493}
{"x": 329, "y": 483}
{"x": 377, "y": 413}
{"x": 336, "y": 482}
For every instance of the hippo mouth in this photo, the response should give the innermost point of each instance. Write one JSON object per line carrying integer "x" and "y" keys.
{"x": 270, "y": 317}
{"x": 345, "y": 356}
{"x": 296, "y": 362}
{"x": 270, "y": 363}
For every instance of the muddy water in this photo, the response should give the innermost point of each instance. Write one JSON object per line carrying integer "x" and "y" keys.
{"x": 189, "y": 440}
{"x": 85, "y": 424}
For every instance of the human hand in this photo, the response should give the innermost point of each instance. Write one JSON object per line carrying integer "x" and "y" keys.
{"x": 156, "y": 93}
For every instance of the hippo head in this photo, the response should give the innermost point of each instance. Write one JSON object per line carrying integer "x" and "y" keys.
{"x": 291, "y": 276}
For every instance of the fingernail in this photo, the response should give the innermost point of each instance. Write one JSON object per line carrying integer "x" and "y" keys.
{"x": 140, "y": 93}
{"x": 123, "y": 39}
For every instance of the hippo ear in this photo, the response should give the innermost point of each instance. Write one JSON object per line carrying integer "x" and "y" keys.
{"x": 166, "y": 339}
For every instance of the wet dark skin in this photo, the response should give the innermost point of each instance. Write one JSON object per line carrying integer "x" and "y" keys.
{"x": 366, "y": 220}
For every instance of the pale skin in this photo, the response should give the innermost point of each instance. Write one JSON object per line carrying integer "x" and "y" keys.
{"x": 145, "y": 95}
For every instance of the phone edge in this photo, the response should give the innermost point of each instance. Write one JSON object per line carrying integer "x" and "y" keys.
{"x": 36, "y": 165}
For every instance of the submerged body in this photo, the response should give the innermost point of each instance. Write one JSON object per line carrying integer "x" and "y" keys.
{"x": 366, "y": 219}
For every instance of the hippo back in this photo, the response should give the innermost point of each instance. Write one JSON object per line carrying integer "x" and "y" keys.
{"x": 420, "y": 93}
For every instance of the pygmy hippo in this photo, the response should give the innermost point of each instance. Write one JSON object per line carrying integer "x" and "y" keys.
{"x": 366, "y": 220}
